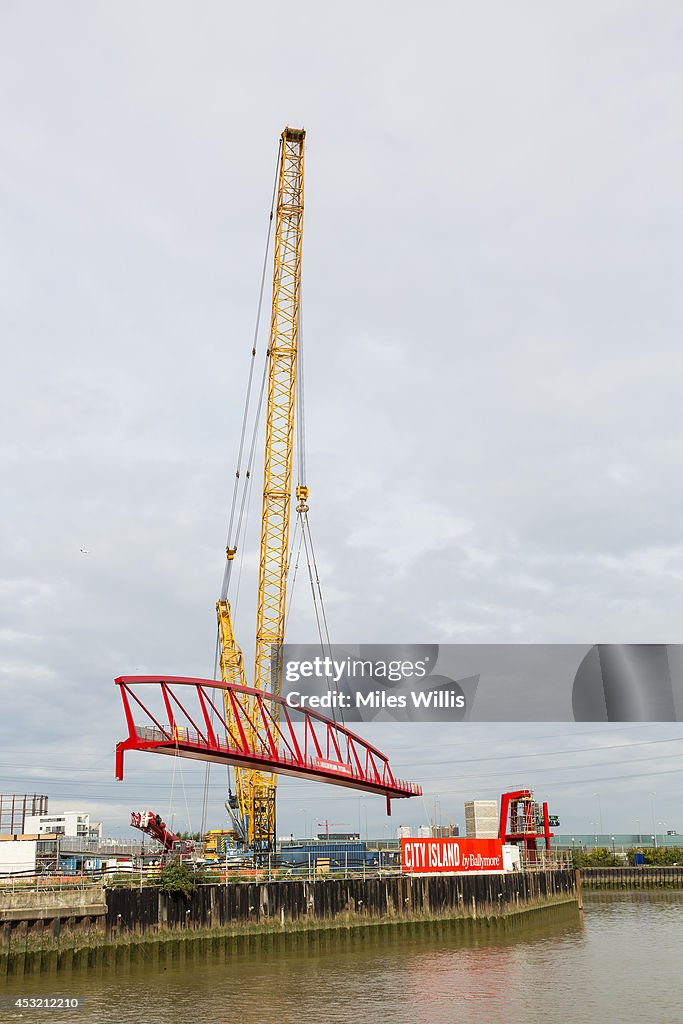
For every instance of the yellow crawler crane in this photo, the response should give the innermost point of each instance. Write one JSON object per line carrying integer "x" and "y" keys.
{"x": 255, "y": 790}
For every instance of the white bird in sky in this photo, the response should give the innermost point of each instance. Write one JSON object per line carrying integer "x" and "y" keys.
{"x": 84, "y": 551}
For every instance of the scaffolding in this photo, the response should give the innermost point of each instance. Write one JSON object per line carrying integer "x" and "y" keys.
{"x": 16, "y": 807}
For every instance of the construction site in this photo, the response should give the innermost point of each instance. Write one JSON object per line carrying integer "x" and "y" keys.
{"x": 341, "y": 525}
{"x": 239, "y": 719}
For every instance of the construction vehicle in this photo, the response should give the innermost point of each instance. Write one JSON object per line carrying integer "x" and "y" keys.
{"x": 152, "y": 825}
{"x": 252, "y": 806}
{"x": 219, "y": 844}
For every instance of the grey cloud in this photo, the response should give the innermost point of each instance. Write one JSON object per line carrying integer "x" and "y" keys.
{"x": 492, "y": 332}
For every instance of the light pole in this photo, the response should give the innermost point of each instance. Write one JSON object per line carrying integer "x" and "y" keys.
{"x": 654, "y": 794}
{"x": 437, "y": 812}
{"x": 360, "y": 832}
{"x": 597, "y": 796}
{"x": 640, "y": 835}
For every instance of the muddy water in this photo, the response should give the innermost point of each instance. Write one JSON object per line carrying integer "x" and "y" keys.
{"x": 623, "y": 964}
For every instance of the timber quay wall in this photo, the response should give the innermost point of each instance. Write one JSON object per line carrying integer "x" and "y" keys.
{"x": 121, "y": 914}
{"x": 154, "y": 927}
{"x": 298, "y": 901}
{"x": 648, "y": 876}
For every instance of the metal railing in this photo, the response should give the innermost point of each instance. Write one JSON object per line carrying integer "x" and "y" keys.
{"x": 31, "y": 882}
{"x": 545, "y": 860}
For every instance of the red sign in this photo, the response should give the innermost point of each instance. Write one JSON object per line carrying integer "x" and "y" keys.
{"x": 444, "y": 856}
{"x": 333, "y": 766}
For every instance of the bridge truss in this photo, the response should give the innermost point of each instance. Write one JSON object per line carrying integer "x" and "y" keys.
{"x": 187, "y": 717}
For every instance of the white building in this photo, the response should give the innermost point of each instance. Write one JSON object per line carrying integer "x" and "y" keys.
{"x": 404, "y": 832}
{"x": 69, "y": 823}
{"x": 481, "y": 819}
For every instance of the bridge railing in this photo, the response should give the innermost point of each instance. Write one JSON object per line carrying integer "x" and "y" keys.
{"x": 264, "y": 735}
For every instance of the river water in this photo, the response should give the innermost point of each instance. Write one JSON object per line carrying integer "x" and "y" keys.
{"x": 622, "y": 964}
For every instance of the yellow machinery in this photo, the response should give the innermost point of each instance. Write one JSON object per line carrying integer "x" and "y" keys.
{"x": 253, "y": 807}
{"x": 215, "y": 842}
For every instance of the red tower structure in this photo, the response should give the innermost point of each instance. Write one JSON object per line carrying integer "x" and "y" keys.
{"x": 524, "y": 822}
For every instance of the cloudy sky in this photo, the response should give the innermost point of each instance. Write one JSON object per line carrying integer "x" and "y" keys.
{"x": 492, "y": 310}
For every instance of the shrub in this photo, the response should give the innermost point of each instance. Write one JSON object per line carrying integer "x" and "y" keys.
{"x": 662, "y": 856}
{"x": 600, "y": 857}
{"x": 179, "y": 876}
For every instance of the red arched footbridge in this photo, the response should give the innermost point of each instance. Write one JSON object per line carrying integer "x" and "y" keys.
{"x": 185, "y": 716}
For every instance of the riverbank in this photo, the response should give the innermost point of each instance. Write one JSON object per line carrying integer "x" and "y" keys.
{"x": 641, "y": 877}
{"x": 97, "y": 951}
{"x": 151, "y": 926}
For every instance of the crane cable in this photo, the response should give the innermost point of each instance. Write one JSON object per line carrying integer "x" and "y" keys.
{"x": 321, "y": 617}
{"x": 207, "y": 770}
{"x": 177, "y": 762}
{"x": 232, "y": 540}
{"x": 302, "y": 515}
{"x": 300, "y": 417}
{"x": 294, "y": 559}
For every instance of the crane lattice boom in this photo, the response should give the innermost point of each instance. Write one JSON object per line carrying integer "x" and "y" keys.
{"x": 255, "y": 789}
{"x": 259, "y": 739}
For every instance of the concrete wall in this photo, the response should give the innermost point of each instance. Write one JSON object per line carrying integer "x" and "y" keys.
{"x": 26, "y": 912}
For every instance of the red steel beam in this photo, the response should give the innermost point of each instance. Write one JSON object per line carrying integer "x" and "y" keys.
{"x": 278, "y": 749}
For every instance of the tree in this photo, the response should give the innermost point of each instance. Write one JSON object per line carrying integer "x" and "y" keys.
{"x": 178, "y": 876}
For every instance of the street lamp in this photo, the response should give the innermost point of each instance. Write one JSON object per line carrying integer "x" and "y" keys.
{"x": 365, "y": 807}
